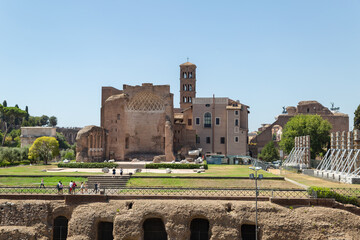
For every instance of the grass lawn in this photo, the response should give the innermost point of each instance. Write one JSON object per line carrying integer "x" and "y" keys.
{"x": 37, "y": 170}
{"x": 313, "y": 181}
{"x": 35, "y": 181}
{"x": 216, "y": 171}
{"x": 216, "y": 183}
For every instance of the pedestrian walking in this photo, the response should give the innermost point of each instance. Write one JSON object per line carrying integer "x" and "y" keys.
{"x": 61, "y": 187}
{"x": 96, "y": 187}
{"x": 121, "y": 171}
{"x": 70, "y": 186}
{"x": 73, "y": 188}
{"x": 42, "y": 183}
{"x": 113, "y": 172}
{"x": 82, "y": 187}
{"x": 58, "y": 187}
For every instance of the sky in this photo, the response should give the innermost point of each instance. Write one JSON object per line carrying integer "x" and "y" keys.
{"x": 56, "y": 55}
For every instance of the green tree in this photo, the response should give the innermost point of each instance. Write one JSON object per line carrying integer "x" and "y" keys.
{"x": 44, "y": 120}
{"x": 44, "y": 149}
{"x": 63, "y": 144}
{"x": 357, "y": 118}
{"x": 9, "y": 116}
{"x": 302, "y": 125}
{"x": 4, "y": 103}
{"x": 269, "y": 152}
{"x": 52, "y": 121}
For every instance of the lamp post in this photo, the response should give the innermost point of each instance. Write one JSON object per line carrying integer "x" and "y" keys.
{"x": 256, "y": 169}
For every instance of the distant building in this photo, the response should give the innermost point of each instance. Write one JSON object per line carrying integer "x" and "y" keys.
{"x": 69, "y": 133}
{"x": 30, "y": 134}
{"x": 273, "y": 132}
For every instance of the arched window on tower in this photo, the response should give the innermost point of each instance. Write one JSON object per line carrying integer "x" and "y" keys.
{"x": 190, "y": 87}
{"x": 207, "y": 120}
{"x": 184, "y": 75}
{"x": 184, "y": 99}
{"x": 190, "y": 74}
{"x": 190, "y": 100}
{"x": 184, "y": 87}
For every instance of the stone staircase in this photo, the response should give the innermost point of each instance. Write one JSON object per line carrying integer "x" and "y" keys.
{"x": 108, "y": 181}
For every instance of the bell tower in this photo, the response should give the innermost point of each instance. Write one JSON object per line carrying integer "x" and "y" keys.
{"x": 187, "y": 84}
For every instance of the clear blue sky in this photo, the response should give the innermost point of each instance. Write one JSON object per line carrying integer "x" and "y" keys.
{"x": 56, "y": 55}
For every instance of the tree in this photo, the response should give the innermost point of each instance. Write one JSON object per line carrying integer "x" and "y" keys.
{"x": 357, "y": 118}
{"x": 9, "y": 116}
{"x": 44, "y": 120}
{"x": 44, "y": 149}
{"x": 269, "y": 152}
{"x": 302, "y": 125}
{"x": 52, "y": 121}
{"x": 4, "y": 103}
{"x": 63, "y": 144}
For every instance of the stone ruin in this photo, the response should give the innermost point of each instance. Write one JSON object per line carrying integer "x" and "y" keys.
{"x": 342, "y": 160}
{"x": 299, "y": 156}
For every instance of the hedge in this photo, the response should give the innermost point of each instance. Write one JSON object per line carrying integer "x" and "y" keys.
{"x": 8, "y": 164}
{"x": 175, "y": 165}
{"x": 323, "y": 192}
{"x": 88, "y": 165}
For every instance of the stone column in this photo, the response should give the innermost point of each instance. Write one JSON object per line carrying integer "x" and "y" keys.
{"x": 343, "y": 140}
{"x": 307, "y": 151}
{"x": 332, "y": 141}
{"x": 338, "y": 146}
{"x": 169, "y": 142}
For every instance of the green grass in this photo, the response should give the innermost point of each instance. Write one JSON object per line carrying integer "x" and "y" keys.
{"x": 208, "y": 183}
{"x": 37, "y": 170}
{"x": 216, "y": 171}
{"x": 35, "y": 181}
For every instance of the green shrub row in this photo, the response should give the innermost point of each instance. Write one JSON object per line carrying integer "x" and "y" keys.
{"x": 8, "y": 164}
{"x": 323, "y": 192}
{"x": 87, "y": 165}
{"x": 175, "y": 165}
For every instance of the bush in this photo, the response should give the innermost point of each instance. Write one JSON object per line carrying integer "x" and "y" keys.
{"x": 87, "y": 165}
{"x": 328, "y": 193}
{"x": 175, "y": 165}
{"x": 67, "y": 154}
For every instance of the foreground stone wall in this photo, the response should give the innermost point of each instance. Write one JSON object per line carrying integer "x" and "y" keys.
{"x": 29, "y": 219}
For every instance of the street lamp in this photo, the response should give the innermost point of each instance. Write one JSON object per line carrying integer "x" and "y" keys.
{"x": 256, "y": 169}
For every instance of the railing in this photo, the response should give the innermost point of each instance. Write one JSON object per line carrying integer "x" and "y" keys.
{"x": 160, "y": 191}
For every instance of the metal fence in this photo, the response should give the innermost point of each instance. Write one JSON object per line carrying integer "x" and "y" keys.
{"x": 160, "y": 191}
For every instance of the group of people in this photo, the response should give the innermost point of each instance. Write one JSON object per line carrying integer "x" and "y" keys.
{"x": 73, "y": 186}
{"x": 114, "y": 172}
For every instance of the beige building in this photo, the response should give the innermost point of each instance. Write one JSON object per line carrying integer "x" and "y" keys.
{"x": 221, "y": 126}
{"x": 30, "y": 134}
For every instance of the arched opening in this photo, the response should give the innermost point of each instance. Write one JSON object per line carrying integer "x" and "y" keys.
{"x": 60, "y": 228}
{"x": 248, "y": 232}
{"x": 190, "y": 74}
{"x": 184, "y": 87}
{"x": 105, "y": 231}
{"x": 190, "y": 87}
{"x": 184, "y": 99}
{"x": 184, "y": 74}
{"x": 154, "y": 229}
{"x": 199, "y": 229}
{"x": 207, "y": 120}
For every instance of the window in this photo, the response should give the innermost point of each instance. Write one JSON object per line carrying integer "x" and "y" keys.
{"x": 208, "y": 140}
{"x": 190, "y": 74}
{"x": 247, "y": 232}
{"x": 189, "y": 122}
{"x": 207, "y": 105}
{"x": 222, "y": 140}
{"x": 236, "y": 139}
{"x": 127, "y": 143}
{"x": 190, "y": 87}
{"x": 184, "y": 87}
{"x": 236, "y": 122}
{"x": 154, "y": 229}
{"x": 184, "y": 99}
{"x": 207, "y": 120}
{"x": 105, "y": 231}
{"x": 118, "y": 117}
{"x": 236, "y": 112}
{"x": 199, "y": 229}
{"x": 60, "y": 228}
{"x": 217, "y": 121}
{"x": 184, "y": 75}
{"x": 197, "y": 121}
{"x": 197, "y": 139}
{"x": 189, "y": 99}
